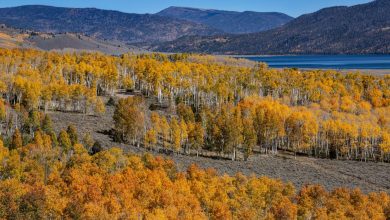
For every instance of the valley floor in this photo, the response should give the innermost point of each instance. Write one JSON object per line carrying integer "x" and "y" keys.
{"x": 368, "y": 176}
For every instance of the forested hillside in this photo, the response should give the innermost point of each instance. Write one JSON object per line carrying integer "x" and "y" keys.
{"x": 229, "y": 21}
{"x": 101, "y": 24}
{"x": 12, "y": 38}
{"x": 360, "y": 29}
{"x": 45, "y": 179}
{"x": 206, "y": 104}
{"x": 181, "y": 104}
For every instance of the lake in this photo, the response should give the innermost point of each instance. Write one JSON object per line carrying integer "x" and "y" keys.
{"x": 379, "y": 62}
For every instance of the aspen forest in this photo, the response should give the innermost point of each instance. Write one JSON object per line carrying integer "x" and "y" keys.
{"x": 202, "y": 103}
{"x": 182, "y": 105}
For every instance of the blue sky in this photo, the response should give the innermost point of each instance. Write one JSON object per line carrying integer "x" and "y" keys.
{"x": 291, "y": 7}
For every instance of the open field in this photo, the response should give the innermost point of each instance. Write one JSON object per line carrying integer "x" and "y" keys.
{"x": 329, "y": 173}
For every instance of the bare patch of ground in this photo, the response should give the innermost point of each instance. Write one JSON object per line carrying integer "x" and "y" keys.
{"x": 368, "y": 176}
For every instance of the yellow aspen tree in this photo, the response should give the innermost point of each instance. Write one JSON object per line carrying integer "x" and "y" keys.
{"x": 129, "y": 119}
{"x": 100, "y": 106}
{"x": 156, "y": 121}
{"x": 3, "y": 152}
{"x": 196, "y": 137}
{"x": 249, "y": 136}
{"x": 175, "y": 135}
{"x": 183, "y": 133}
{"x": 165, "y": 131}
{"x": 385, "y": 145}
{"x": 301, "y": 127}
{"x": 150, "y": 139}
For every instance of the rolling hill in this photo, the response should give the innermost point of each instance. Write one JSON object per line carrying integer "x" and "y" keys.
{"x": 18, "y": 38}
{"x": 102, "y": 24}
{"x": 229, "y": 21}
{"x": 13, "y": 38}
{"x": 360, "y": 29}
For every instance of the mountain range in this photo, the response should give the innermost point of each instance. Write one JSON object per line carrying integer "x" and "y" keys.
{"x": 359, "y": 29}
{"x": 102, "y": 24}
{"x": 229, "y": 21}
{"x": 129, "y": 27}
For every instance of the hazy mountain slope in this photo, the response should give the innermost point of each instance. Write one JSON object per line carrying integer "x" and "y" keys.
{"x": 359, "y": 29}
{"x": 17, "y": 38}
{"x": 79, "y": 42}
{"x": 103, "y": 24}
{"x": 229, "y": 21}
{"x": 13, "y": 38}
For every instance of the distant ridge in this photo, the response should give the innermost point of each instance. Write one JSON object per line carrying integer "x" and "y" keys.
{"x": 229, "y": 21}
{"x": 103, "y": 24}
{"x": 18, "y": 38}
{"x": 360, "y": 29}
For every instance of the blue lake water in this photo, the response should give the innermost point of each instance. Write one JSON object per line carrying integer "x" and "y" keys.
{"x": 326, "y": 61}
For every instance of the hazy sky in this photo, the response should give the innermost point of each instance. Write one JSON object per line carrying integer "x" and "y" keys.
{"x": 291, "y": 7}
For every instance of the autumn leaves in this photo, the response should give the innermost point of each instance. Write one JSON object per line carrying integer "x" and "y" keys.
{"x": 237, "y": 107}
{"x": 261, "y": 125}
{"x": 222, "y": 107}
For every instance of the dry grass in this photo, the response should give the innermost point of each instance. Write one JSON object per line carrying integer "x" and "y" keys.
{"x": 331, "y": 173}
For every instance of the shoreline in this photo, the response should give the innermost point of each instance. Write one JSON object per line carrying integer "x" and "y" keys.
{"x": 292, "y": 55}
{"x": 363, "y": 63}
{"x": 377, "y": 72}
